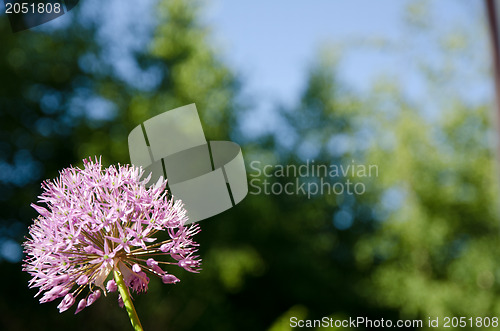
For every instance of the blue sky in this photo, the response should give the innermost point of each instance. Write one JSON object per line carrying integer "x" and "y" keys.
{"x": 272, "y": 44}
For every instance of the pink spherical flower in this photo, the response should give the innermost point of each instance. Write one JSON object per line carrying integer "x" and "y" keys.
{"x": 101, "y": 220}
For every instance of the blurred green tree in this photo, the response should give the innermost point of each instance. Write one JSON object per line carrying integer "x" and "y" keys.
{"x": 435, "y": 252}
{"x": 62, "y": 100}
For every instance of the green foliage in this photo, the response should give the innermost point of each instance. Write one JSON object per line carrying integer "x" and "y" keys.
{"x": 423, "y": 239}
{"x": 435, "y": 255}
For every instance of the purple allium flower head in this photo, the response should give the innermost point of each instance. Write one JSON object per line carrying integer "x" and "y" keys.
{"x": 99, "y": 220}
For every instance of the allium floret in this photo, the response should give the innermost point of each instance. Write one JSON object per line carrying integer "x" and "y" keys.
{"x": 101, "y": 220}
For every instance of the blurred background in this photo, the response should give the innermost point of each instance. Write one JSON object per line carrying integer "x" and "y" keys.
{"x": 404, "y": 85}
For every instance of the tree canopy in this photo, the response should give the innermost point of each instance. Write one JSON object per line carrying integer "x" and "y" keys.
{"x": 420, "y": 241}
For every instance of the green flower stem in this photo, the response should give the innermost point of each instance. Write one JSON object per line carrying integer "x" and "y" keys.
{"x": 127, "y": 301}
